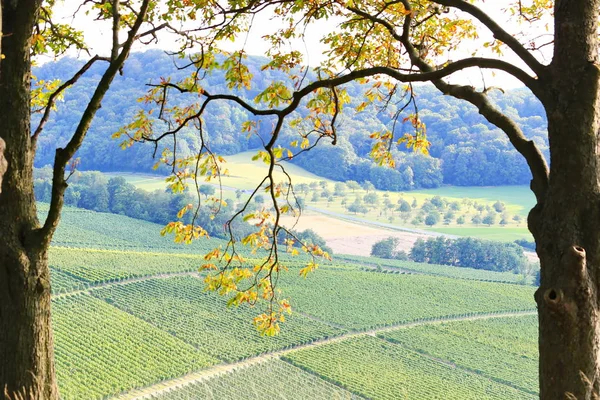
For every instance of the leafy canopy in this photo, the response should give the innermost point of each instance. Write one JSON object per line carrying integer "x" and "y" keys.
{"x": 386, "y": 44}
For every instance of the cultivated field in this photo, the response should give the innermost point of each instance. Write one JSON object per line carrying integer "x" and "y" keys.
{"x": 131, "y": 319}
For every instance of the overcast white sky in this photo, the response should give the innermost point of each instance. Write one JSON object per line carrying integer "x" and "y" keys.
{"x": 99, "y": 39}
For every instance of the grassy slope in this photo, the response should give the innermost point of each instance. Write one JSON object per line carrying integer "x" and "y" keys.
{"x": 243, "y": 174}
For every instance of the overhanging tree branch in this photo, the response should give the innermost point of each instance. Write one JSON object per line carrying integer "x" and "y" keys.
{"x": 57, "y": 92}
{"x": 297, "y": 96}
{"x": 498, "y": 32}
{"x": 64, "y": 155}
{"x": 527, "y": 148}
{"x": 487, "y": 63}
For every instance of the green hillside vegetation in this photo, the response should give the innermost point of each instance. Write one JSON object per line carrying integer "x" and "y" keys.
{"x": 500, "y": 218}
{"x": 465, "y": 149}
{"x": 380, "y": 370}
{"x": 129, "y": 312}
{"x": 246, "y": 174}
{"x": 271, "y": 380}
{"x": 505, "y": 352}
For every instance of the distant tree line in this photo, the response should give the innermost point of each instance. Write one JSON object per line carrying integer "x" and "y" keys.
{"x": 465, "y": 150}
{"x": 93, "y": 190}
{"x": 462, "y": 252}
{"x": 471, "y": 253}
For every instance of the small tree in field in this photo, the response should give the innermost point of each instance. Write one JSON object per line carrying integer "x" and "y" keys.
{"x": 489, "y": 219}
{"x": 385, "y": 248}
{"x": 432, "y": 218}
{"x": 353, "y": 185}
{"x": 207, "y": 190}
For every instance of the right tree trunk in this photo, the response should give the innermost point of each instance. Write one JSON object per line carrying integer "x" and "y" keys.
{"x": 566, "y": 224}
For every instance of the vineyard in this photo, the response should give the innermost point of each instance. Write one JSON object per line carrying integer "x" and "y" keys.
{"x": 130, "y": 311}
{"x": 63, "y": 282}
{"x": 381, "y": 370}
{"x": 90, "y": 229}
{"x": 271, "y": 380}
{"x": 98, "y": 266}
{"x": 478, "y": 347}
{"x": 362, "y": 300}
{"x": 203, "y": 320}
{"x": 101, "y": 350}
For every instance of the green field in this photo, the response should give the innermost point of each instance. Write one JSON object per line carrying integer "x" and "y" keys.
{"x": 123, "y": 320}
{"x": 518, "y": 200}
{"x": 243, "y": 173}
{"x": 272, "y": 380}
{"x": 378, "y": 369}
{"x": 520, "y": 197}
{"x": 101, "y": 350}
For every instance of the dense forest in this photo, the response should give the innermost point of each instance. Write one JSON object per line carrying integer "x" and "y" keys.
{"x": 465, "y": 150}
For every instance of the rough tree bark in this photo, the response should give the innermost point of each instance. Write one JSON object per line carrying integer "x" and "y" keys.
{"x": 3, "y": 162}
{"x": 565, "y": 222}
{"x": 26, "y": 344}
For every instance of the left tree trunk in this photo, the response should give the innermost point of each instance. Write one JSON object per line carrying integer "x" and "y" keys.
{"x": 26, "y": 343}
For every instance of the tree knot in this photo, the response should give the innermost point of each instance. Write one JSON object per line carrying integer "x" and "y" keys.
{"x": 553, "y": 296}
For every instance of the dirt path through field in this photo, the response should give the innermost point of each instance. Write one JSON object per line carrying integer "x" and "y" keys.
{"x": 146, "y": 393}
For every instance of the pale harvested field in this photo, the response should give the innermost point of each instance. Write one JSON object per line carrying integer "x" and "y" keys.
{"x": 345, "y": 237}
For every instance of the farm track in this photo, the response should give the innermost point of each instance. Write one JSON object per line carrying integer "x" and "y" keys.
{"x": 199, "y": 376}
{"x": 125, "y": 282}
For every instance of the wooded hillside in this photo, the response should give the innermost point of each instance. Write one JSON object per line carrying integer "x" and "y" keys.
{"x": 465, "y": 150}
